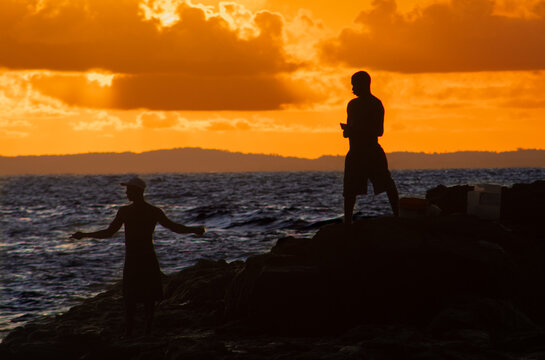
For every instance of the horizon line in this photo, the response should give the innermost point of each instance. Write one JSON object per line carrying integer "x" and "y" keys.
{"x": 266, "y": 154}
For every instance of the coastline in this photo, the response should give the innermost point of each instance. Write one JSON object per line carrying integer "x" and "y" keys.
{"x": 448, "y": 286}
{"x": 286, "y": 302}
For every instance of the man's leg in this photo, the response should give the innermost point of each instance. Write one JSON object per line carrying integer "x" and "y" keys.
{"x": 349, "y": 202}
{"x": 393, "y": 196}
{"x": 149, "y": 310}
{"x": 130, "y": 308}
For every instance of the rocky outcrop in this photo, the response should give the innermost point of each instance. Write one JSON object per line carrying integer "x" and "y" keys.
{"x": 523, "y": 207}
{"x": 383, "y": 270}
{"x": 450, "y": 199}
{"x": 430, "y": 287}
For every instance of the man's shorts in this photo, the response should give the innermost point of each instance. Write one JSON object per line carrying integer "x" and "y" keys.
{"x": 142, "y": 278}
{"x": 361, "y": 166}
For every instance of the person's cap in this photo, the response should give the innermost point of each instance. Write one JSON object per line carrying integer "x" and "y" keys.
{"x": 361, "y": 77}
{"x": 136, "y": 182}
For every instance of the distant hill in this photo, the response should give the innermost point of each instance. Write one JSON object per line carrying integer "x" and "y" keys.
{"x": 467, "y": 159}
{"x": 205, "y": 160}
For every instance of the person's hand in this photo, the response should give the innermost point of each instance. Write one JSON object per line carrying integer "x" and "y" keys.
{"x": 199, "y": 230}
{"x": 345, "y": 129}
{"x": 77, "y": 235}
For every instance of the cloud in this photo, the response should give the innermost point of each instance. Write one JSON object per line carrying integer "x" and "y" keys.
{"x": 457, "y": 36}
{"x": 12, "y": 128}
{"x": 219, "y": 125}
{"x": 19, "y": 100}
{"x": 176, "y": 91}
{"x": 152, "y": 54}
{"x": 103, "y": 120}
{"x": 409, "y": 95}
{"x": 303, "y": 33}
{"x": 467, "y": 91}
{"x": 156, "y": 120}
{"x": 99, "y": 34}
{"x": 189, "y": 92}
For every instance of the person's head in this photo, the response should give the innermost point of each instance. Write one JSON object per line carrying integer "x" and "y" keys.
{"x": 135, "y": 188}
{"x": 361, "y": 83}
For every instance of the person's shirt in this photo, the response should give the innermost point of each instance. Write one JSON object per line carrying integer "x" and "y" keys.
{"x": 139, "y": 221}
{"x": 365, "y": 121}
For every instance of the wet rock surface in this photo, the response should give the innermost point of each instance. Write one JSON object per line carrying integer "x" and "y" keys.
{"x": 446, "y": 287}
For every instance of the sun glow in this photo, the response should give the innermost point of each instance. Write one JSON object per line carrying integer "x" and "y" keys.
{"x": 104, "y": 80}
{"x": 165, "y": 11}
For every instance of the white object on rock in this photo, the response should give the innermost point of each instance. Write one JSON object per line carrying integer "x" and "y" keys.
{"x": 485, "y": 201}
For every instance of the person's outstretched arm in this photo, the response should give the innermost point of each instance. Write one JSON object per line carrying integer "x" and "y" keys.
{"x": 102, "y": 234}
{"x": 179, "y": 228}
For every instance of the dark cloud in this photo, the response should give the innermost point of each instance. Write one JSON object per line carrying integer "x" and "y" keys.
{"x": 199, "y": 63}
{"x": 461, "y": 35}
{"x": 177, "y": 92}
{"x": 83, "y": 35}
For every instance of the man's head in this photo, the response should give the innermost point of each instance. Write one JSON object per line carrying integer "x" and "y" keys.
{"x": 135, "y": 188}
{"x": 361, "y": 83}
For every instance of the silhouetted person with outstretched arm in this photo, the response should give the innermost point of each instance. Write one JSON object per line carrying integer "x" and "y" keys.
{"x": 366, "y": 159}
{"x": 141, "y": 273}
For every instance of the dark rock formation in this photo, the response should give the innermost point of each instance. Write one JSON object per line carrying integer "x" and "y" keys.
{"x": 451, "y": 200}
{"x": 443, "y": 287}
{"x": 384, "y": 270}
{"x": 523, "y": 206}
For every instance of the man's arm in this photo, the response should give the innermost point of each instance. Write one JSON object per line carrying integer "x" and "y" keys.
{"x": 179, "y": 228}
{"x": 102, "y": 234}
{"x": 380, "y": 119}
{"x": 347, "y": 127}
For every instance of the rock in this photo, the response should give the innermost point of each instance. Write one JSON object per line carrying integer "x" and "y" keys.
{"x": 450, "y": 286}
{"x": 495, "y": 317}
{"x": 523, "y": 206}
{"x": 379, "y": 270}
{"x": 201, "y": 285}
{"x": 291, "y": 246}
{"x": 450, "y": 200}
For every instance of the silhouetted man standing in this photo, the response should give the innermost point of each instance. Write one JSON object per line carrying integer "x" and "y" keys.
{"x": 366, "y": 159}
{"x": 141, "y": 273}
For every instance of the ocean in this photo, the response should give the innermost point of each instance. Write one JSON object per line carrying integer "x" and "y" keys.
{"x": 43, "y": 272}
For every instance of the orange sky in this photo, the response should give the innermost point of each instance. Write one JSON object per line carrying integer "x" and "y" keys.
{"x": 268, "y": 76}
